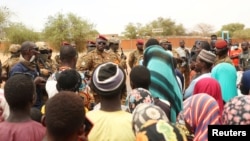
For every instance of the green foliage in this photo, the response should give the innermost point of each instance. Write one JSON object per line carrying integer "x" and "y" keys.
{"x": 70, "y": 28}
{"x": 130, "y": 31}
{"x": 242, "y": 34}
{"x": 17, "y": 33}
{"x": 133, "y": 31}
{"x": 232, "y": 27}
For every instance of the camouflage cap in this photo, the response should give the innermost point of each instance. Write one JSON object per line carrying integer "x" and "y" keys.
{"x": 14, "y": 48}
{"x": 114, "y": 41}
{"x": 42, "y": 46}
{"x": 163, "y": 41}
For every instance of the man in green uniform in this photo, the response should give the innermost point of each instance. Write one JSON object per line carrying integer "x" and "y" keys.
{"x": 136, "y": 55}
{"x": 14, "y": 50}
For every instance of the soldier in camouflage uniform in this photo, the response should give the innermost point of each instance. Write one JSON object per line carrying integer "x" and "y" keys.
{"x": 119, "y": 59}
{"x": 52, "y": 62}
{"x": 244, "y": 57}
{"x": 44, "y": 66}
{"x": 115, "y": 56}
{"x": 136, "y": 55}
{"x": 90, "y": 47}
{"x": 94, "y": 58}
{"x": 14, "y": 50}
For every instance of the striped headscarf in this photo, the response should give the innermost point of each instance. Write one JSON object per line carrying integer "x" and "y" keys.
{"x": 237, "y": 111}
{"x": 164, "y": 84}
{"x": 211, "y": 87}
{"x": 199, "y": 111}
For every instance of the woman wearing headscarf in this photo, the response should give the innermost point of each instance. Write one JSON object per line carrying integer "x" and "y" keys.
{"x": 244, "y": 84}
{"x": 137, "y": 96}
{"x": 164, "y": 84}
{"x": 199, "y": 111}
{"x": 160, "y": 130}
{"x": 226, "y": 75}
{"x": 211, "y": 87}
{"x": 144, "y": 112}
{"x": 237, "y": 111}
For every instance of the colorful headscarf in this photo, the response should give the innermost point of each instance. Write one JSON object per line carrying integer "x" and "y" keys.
{"x": 144, "y": 112}
{"x": 137, "y": 96}
{"x": 164, "y": 84}
{"x": 226, "y": 75}
{"x": 211, "y": 87}
{"x": 237, "y": 111}
{"x": 160, "y": 130}
{"x": 199, "y": 111}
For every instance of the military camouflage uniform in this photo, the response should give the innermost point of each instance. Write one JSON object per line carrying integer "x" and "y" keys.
{"x": 93, "y": 59}
{"x": 14, "y": 49}
{"x": 116, "y": 58}
{"x": 7, "y": 65}
{"x": 57, "y": 60}
{"x": 134, "y": 58}
{"x": 224, "y": 59}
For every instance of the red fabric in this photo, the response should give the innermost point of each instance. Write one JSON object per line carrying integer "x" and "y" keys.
{"x": 140, "y": 41}
{"x": 211, "y": 87}
{"x": 21, "y": 131}
{"x": 220, "y": 44}
{"x": 102, "y": 37}
{"x": 64, "y": 43}
{"x": 91, "y": 42}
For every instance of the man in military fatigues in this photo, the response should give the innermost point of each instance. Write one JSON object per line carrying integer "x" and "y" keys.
{"x": 95, "y": 58}
{"x": 14, "y": 50}
{"x": 244, "y": 57}
{"x": 44, "y": 67}
{"x": 136, "y": 55}
{"x": 52, "y": 62}
{"x": 90, "y": 47}
{"x": 119, "y": 59}
{"x": 115, "y": 56}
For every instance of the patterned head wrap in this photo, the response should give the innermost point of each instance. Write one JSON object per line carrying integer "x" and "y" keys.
{"x": 160, "y": 130}
{"x": 137, "y": 96}
{"x": 237, "y": 111}
{"x": 144, "y": 112}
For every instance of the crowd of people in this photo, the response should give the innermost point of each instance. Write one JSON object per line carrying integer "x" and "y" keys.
{"x": 175, "y": 92}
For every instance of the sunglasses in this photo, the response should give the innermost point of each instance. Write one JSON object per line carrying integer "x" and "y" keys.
{"x": 101, "y": 43}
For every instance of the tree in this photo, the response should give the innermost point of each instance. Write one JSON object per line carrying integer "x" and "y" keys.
{"x": 18, "y": 33}
{"x": 70, "y": 28}
{"x": 5, "y": 15}
{"x": 130, "y": 31}
{"x": 232, "y": 27}
{"x": 204, "y": 29}
{"x": 169, "y": 27}
{"x": 242, "y": 34}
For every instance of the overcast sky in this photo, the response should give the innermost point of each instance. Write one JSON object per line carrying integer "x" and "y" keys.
{"x": 111, "y": 16}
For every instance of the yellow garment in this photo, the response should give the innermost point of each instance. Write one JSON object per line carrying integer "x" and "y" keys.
{"x": 110, "y": 126}
{"x": 43, "y": 109}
